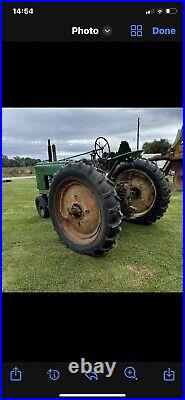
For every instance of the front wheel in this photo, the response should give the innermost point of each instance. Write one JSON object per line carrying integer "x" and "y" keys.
{"x": 149, "y": 192}
{"x": 42, "y": 206}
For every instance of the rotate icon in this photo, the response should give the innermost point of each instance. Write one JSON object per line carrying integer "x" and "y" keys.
{"x": 92, "y": 376}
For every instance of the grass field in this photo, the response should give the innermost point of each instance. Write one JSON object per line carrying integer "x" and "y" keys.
{"x": 145, "y": 258}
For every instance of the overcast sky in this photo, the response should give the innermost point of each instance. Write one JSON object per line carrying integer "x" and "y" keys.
{"x": 26, "y": 130}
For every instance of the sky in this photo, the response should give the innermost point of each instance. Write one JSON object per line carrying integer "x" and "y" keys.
{"x": 74, "y": 130}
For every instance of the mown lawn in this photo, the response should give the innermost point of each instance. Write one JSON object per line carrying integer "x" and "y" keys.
{"x": 145, "y": 258}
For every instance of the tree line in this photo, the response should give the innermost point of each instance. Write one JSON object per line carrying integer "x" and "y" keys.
{"x": 19, "y": 161}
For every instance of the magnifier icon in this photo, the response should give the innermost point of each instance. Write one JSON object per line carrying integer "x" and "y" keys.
{"x": 130, "y": 373}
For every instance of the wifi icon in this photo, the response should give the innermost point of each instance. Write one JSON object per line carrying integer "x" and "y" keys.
{"x": 159, "y": 11}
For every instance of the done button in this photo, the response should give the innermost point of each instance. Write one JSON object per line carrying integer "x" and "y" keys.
{"x": 163, "y": 31}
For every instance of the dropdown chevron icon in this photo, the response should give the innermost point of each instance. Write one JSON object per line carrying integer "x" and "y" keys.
{"x": 107, "y": 30}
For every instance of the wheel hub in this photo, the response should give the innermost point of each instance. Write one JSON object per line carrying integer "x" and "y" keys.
{"x": 76, "y": 211}
{"x": 135, "y": 193}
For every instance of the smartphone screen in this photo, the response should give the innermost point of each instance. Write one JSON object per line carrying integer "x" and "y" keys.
{"x": 92, "y": 141}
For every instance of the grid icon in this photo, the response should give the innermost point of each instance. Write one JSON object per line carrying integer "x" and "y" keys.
{"x": 136, "y": 30}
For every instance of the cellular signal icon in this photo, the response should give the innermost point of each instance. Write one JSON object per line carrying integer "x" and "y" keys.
{"x": 150, "y": 11}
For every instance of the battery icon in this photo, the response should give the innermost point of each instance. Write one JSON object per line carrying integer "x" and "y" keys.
{"x": 171, "y": 10}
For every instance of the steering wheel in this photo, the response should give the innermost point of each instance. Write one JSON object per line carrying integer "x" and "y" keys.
{"x": 102, "y": 147}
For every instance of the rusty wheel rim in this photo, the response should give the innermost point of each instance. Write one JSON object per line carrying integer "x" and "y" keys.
{"x": 143, "y": 192}
{"x": 78, "y": 211}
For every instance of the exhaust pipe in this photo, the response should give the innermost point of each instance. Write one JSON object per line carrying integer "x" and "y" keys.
{"x": 49, "y": 151}
{"x": 54, "y": 152}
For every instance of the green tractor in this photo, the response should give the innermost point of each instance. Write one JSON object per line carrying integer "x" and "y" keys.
{"x": 88, "y": 199}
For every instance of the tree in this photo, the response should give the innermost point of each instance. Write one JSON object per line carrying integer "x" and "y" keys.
{"x": 17, "y": 161}
{"x": 157, "y": 146}
{"x": 5, "y": 161}
{"x": 22, "y": 161}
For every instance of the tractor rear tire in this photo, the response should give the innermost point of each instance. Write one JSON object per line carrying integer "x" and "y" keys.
{"x": 85, "y": 209}
{"x": 42, "y": 206}
{"x": 151, "y": 188}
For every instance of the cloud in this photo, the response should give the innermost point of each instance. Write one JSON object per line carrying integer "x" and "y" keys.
{"x": 74, "y": 130}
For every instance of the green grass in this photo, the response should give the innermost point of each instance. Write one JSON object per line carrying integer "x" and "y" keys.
{"x": 145, "y": 258}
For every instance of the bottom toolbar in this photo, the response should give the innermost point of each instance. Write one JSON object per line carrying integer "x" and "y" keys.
{"x": 85, "y": 378}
